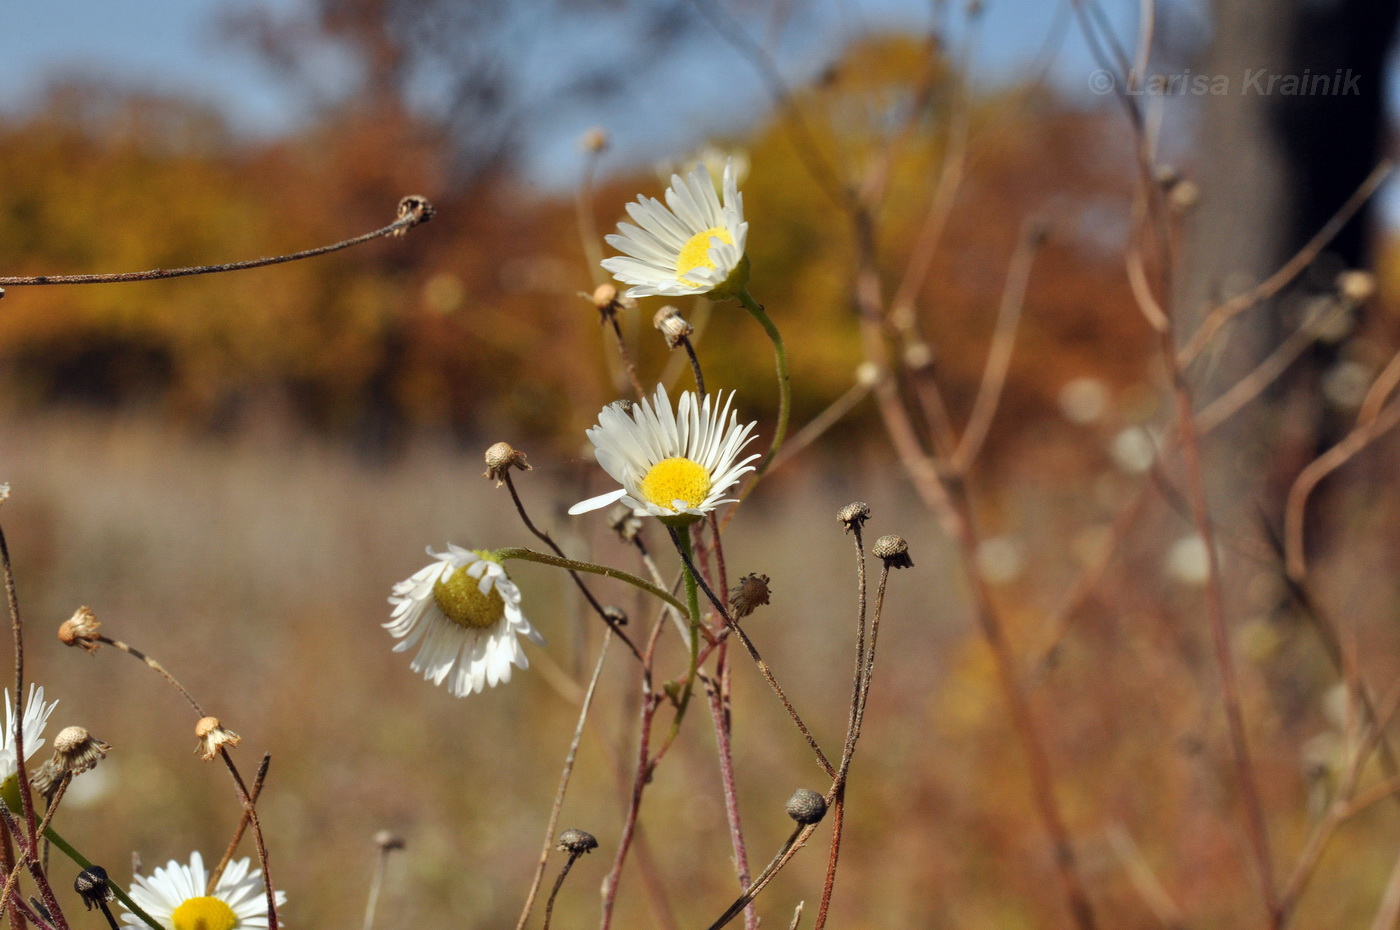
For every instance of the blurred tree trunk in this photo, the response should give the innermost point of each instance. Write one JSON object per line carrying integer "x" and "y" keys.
{"x": 1273, "y": 169}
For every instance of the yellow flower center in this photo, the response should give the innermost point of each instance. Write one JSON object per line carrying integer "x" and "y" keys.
{"x": 461, "y": 599}
{"x": 696, "y": 253}
{"x": 676, "y": 479}
{"x": 204, "y": 914}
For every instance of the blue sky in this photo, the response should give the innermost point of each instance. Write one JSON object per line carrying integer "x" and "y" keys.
{"x": 704, "y": 88}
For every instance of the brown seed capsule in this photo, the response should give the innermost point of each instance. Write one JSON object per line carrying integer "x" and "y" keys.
{"x": 748, "y": 595}
{"x": 76, "y": 750}
{"x": 212, "y": 737}
{"x": 92, "y": 886}
{"x": 501, "y": 458}
{"x": 80, "y": 630}
{"x": 806, "y": 806}
{"x": 417, "y": 206}
{"x": 388, "y": 841}
{"x": 624, "y": 522}
{"x": 577, "y": 842}
{"x": 894, "y": 550}
{"x": 672, "y": 325}
{"x": 854, "y": 515}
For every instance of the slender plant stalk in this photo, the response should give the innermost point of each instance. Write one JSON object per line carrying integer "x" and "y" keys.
{"x": 784, "y": 382}
{"x": 530, "y": 555}
{"x": 413, "y": 211}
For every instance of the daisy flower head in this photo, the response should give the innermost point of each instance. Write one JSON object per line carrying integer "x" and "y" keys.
{"x": 36, "y": 716}
{"x": 174, "y": 896}
{"x": 463, "y": 612}
{"x": 692, "y": 244}
{"x": 675, "y": 466}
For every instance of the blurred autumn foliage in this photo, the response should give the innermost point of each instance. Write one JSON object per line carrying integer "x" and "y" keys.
{"x": 477, "y": 319}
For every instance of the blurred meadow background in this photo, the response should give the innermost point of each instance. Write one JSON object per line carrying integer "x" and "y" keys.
{"x": 232, "y": 470}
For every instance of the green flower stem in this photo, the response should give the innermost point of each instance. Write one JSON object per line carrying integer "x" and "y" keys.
{"x": 64, "y": 847}
{"x": 784, "y": 382}
{"x": 530, "y": 555}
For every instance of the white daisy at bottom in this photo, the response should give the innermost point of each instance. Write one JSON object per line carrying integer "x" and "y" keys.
{"x": 174, "y": 896}
{"x": 465, "y": 612}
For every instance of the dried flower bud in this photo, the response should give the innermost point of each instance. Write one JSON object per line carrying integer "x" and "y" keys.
{"x": 624, "y": 522}
{"x": 80, "y": 630}
{"x": 1356, "y": 286}
{"x": 577, "y": 842}
{"x": 748, "y": 595}
{"x": 672, "y": 325}
{"x": 594, "y": 140}
{"x": 388, "y": 841}
{"x": 894, "y": 550}
{"x": 213, "y": 737}
{"x": 92, "y": 886}
{"x": 854, "y": 515}
{"x": 867, "y": 374}
{"x": 608, "y": 302}
{"x": 417, "y": 206}
{"x": 806, "y": 806}
{"x": 615, "y": 615}
{"x": 75, "y": 750}
{"x": 501, "y": 458}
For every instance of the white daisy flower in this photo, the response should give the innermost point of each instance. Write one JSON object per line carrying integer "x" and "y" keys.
{"x": 670, "y": 465}
{"x": 465, "y": 611}
{"x": 36, "y": 716}
{"x": 694, "y": 247}
{"x": 174, "y": 896}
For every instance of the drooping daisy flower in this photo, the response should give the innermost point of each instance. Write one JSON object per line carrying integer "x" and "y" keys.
{"x": 465, "y": 611}
{"x": 175, "y": 897}
{"x": 692, "y": 244}
{"x": 36, "y": 716}
{"x": 670, "y": 465}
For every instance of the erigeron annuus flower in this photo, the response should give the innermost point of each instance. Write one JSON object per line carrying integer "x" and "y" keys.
{"x": 174, "y": 896}
{"x": 676, "y": 466}
{"x": 36, "y": 716}
{"x": 465, "y": 612}
{"x": 693, "y": 244}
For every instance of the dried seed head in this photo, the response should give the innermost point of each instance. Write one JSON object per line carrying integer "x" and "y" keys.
{"x": 212, "y": 737}
{"x": 806, "y": 806}
{"x": 594, "y": 140}
{"x": 748, "y": 595}
{"x": 608, "y": 302}
{"x": 80, "y": 630}
{"x": 867, "y": 374}
{"x": 615, "y": 615}
{"x": 854, "y": 515}
{"x": 388, "y": 841}
{"x": 75, "y": 750}
{"x": 894, "y": 550}
{"x": 672, "y": 325}
{"x": 417, "y": 206}
{"x": 501, "y": 458}
{"x": 91, "y": 885}
{"x": 1356, "y": 286}
{"x": 577, "y": 842}
{"x": 624, "y": 522}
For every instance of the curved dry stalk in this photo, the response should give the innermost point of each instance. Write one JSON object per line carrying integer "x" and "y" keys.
{"x": 1223, "y": 313}
{"x": 414, "y": 210}
{"x": 1295, "y": 560}
{"x": 1013, "y": 297}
